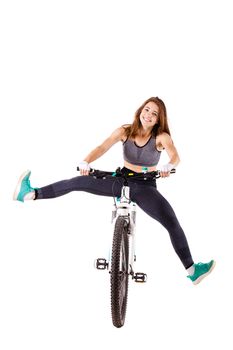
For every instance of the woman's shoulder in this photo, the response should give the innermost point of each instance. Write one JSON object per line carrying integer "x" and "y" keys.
{"x": 120, "y": 133}
{"x": 161, "y": 139}
{"x": 125, "y": 129}
{"x": 163, "y": 136}
{"x": 126, "y": 126}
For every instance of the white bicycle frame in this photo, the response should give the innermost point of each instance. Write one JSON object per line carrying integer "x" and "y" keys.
{"x": 127, "y": 209}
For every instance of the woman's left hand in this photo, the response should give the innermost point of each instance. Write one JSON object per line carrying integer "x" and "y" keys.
{"x": 165, "y": 170}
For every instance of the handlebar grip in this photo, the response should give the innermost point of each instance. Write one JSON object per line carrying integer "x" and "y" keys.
{"x": 78, "y": 169}
{"x": 173, "y": 171}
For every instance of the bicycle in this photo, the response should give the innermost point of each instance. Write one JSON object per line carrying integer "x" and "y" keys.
{"x": 123, "y": 256}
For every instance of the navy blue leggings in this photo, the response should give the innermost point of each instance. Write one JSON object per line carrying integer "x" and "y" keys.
{"x": 143, "y": 193}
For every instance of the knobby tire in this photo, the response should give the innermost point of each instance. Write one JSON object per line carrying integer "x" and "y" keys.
{"x": 119, "y": 271}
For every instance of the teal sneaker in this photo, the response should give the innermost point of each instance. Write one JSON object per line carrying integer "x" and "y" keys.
{"x": 23, "y": 187}
{"x": 201, "y": 271}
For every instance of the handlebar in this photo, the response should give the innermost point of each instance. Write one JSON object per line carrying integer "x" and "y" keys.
{"x": 118, "y": 173}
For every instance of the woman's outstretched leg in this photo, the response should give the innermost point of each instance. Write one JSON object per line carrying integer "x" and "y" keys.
{"x": 103, "y": 187}
{"x": 154, "y": 204}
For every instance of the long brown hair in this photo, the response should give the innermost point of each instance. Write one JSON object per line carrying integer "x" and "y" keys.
{"x": 133, "y": 129}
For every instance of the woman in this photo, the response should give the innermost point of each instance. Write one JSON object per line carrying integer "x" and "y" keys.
{"x": 143, "y": 141}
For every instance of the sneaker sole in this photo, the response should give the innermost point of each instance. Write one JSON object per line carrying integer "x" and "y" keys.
{"x": 17, "y": 190}
{"x": 199, "y": 279}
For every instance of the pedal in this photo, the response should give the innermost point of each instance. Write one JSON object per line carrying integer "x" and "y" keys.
{"x": 101, "y": 264}
{"x": 140, "y": 277}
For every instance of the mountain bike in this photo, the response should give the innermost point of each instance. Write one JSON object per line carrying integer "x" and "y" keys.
{"x": 122, "y": 252}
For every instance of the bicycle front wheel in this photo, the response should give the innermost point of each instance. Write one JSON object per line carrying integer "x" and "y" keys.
{"x": 119, "y": 271}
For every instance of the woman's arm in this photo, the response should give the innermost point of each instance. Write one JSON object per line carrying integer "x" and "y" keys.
{"x": 96, "y": 153}
{"x": 165, "y": 140}
{"x": 168, "y": 145}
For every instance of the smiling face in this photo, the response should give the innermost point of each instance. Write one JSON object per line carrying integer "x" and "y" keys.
{"x": 149, "y": 115}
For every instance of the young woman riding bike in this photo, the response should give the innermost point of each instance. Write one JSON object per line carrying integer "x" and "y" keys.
{"x": 142, "y": 142}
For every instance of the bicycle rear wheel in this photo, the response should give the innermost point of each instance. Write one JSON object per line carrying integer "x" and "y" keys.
{"x": 119, "y": 271}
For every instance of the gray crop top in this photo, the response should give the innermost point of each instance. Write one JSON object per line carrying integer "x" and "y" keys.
{"x": 146, "y": 155}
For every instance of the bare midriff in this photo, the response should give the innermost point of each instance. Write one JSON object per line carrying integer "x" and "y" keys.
{"x": 138, "y": 168}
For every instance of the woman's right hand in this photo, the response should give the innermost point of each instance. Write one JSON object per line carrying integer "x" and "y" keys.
{"x": 84, "y": 168}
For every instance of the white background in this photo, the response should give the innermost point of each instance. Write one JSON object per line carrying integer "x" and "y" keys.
{"x": 72, "y": 72}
